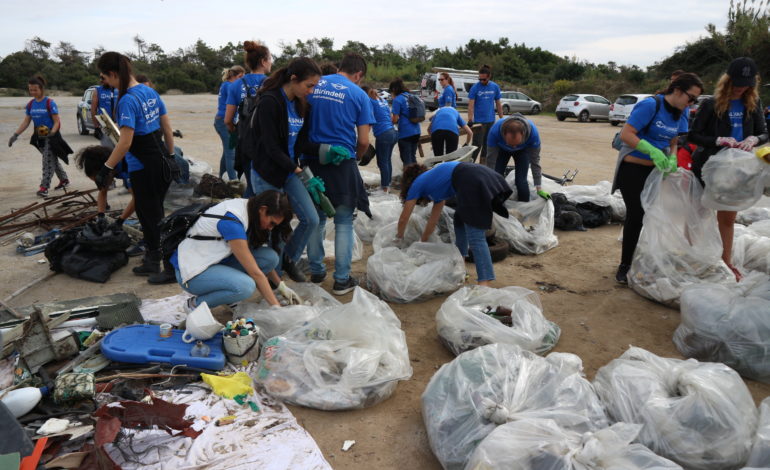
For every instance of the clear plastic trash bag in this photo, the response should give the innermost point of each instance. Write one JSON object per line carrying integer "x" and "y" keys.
{"x": 760, "y": 451}
{"x": 529, "y": 227}
{"x": 735, "y": 180}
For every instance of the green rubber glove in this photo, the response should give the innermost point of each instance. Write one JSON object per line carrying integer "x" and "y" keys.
{"x": 656, "y": 155}
{"x": 334, "y": 154}
{"x": 315, "y": 187}
{"x": 544, "y": 194}
{"x": 673, "y": 165}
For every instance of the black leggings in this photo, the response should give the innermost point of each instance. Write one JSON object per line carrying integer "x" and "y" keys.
{"x": 444, "y": 141}
{"x": 631, "y": 179}
{"x": 150, "y": 189}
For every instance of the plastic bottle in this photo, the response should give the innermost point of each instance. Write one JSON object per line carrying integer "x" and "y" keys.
{"x": 22, "y": 400}
{"x": 200, "y": 349}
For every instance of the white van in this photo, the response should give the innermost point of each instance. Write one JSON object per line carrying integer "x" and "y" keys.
{"x": 430, "y": 88}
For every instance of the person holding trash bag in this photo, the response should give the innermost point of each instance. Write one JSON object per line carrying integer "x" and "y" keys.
{"x": 650, "y": 141}
{"x": 227, "y": 161}
{"x": 444, "y": 130}
{"x": 147, "y": 144}
{"x": 44, "y": 114}
{"x": 280, "y": 115}
{"x": 479, "y": 192}
{"x": 232, "y": 249}
{"x": 385, "y": 137}
{"x": 338, "y": 127}
{"x": 732, "y": 118}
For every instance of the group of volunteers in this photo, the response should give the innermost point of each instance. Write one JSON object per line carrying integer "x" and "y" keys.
{"x": 307, "y": 126}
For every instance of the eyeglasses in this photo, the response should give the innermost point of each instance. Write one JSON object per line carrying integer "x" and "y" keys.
{"x": 442, "y": 79}
{"x": 692, "y": 99}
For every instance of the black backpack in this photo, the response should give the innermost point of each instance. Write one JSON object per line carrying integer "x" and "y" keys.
{"x": 174, "y": 227}
{"x": 246, "y": 145}
{"x": 416, "y": 108}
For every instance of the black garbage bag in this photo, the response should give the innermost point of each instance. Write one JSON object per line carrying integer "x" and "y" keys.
{"x": 566, "y": 214}
{"x": 593, "y": 215}
{"x": 91, "y": 252}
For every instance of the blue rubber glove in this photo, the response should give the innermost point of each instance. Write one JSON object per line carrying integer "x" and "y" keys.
{"x": 334, "y": 154}
{"x": 315, "y": 186}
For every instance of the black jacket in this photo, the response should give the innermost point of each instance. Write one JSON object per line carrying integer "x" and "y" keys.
{"x": 708, "y": 126}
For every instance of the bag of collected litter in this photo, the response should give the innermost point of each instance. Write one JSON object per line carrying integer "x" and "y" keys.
{"x": 529, "y": 228}
{"x": 384, "y": 210}
{"x": 541, "y": 444}
{"x": 734, "y": 179}
{"x": 198, "y": 168}
{"x": 760, "y": 451}
{"x": 478, "y": 315}
{"x": 730, "y": 325}
{"x": 386, "y": 235}
{"x": 753, "y": 214}
{"x": 751, "y": 250}
{"x": 91, "y": 252}
{"x": 499, "y": 383}
{"x": 418, "y": 272}
{"x": 680, "y": 243}
{"x": 351, "y": 356}
{"x": 698, "y": 414}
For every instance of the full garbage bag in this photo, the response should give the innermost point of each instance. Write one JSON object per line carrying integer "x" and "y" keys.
{"x": 418, "y": 272}
{"x": 385, "y": 208}
{"x": 751, "y": 250}
{"x": 498, "y": 383}
{"x": 734, "y": 179}
{"x": 679, "y": 244}
{"x": 350, "y": 356}
{"x": 478, "y": 315}
{"x": 730, "y": 325}
{"x": 760, "y": 451}
{"x": 698, "y": 414}
{"x": 541, "y": 444}
{"x": 529, "y": 227}
{"x": 386, "y": 235}
{"x": 753, "y": 214}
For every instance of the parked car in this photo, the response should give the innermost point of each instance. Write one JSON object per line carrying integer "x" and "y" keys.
{"x": 83, "y": 111}
{"x": 621, "y": 108}
{"x": 517, "y": 102}
{"x": 583, "y": 107}
{"x": 696, "y": 106}
{"x": 430, "y": 87}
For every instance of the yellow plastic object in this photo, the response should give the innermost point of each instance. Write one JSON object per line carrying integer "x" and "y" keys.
{"x": 763, "y": 153}
{"x": 229, "y": 386}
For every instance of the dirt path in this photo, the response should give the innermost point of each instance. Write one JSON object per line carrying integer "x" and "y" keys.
{"x": 599, "y": 319}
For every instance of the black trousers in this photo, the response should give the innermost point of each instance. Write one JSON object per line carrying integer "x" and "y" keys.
{"x": 444, "y": 141}
{"x": 631, "y": 178}
{"x": 150, "y": 188}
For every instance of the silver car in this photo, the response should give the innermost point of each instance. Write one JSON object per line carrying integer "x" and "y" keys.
{"x": 621, "y": 108}
{"x": 583, "y": 107}
{"x": 517, "y": 102}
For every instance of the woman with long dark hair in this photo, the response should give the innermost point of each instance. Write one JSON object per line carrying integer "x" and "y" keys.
{"x": 227, "y": 161}
{"x": 239, "y": 253}
{"x": 385, "y": 136}
{"x": 408, "y": 131}
{"x": 147, "y": 144}
{"x": 280, "y": 116}
{"x": 732, "y": 118}
{"x": 448, "y": 96}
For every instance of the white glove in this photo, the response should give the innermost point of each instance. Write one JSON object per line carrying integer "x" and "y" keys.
{"x": 289, "y": 294}
{"x": 399, "y": 243}
{"x": 726, "y": 142}
{"x": 748, "y": 143}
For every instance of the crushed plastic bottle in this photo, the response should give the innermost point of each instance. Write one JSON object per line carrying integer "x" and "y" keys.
{"x": 200, "y": 349}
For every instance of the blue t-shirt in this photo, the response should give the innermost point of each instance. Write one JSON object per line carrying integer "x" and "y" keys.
{"x": 446, "y": 119}
{"x": 737, "y": 109}
{"x": 448, "y": 97}
{"x": 485, "y": 96}
{"x": 38, "y": 111}
{"x": 222, "y": 99}
{"x": 140, "y": 109}
{"x": 229, "y": 229}
{"x": 435, "y": 184}
{"x": 236, "y": 91}
{"x": 406, "y": 128}
{"x": 107, "y": 97}
{"x": 663, "y": 126}
{"x": 496, "y": 139}
{"x": 381, "y": 116}
{"x": 338, "y": 106}
{"x": 295, "y": 122}
{"x": 121, "y": 172}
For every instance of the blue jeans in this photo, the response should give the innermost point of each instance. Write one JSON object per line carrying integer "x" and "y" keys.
{"x": 227, "y": 282}
{"x": 227, "y": 160}
{"x": 466, "y": 235}
{"x": 249, "y": 188}
{"x": 521, "y": 162}
{"x": 407, "y": 148}
{"x": 343, "y": 244}
{"x": 384, "y": 144}
{"x": 303, "y": 208}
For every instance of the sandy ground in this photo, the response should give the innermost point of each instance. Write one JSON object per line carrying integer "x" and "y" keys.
{"x": 598, "y": 318}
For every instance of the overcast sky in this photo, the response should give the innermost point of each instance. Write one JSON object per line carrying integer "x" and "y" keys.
{"x": 623, "y": 31}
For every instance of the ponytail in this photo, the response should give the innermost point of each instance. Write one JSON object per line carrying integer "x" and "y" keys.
{"x": 255, "y": 53}
{"x": 120, "y": 64}
{"x": 234, "y": 71}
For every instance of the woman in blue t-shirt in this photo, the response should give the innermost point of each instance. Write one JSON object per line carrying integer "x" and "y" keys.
{"x": 448, "y": 96}
{"x": 444, "y": 130}
{"x": 650, "y": 141}
{"x": 385, "y": 137}
{"x": 408, "y": 131}
{"x": 227, "y": 161}
{"x": 479, "y": 192}
{"x": 44, "y": 114}
{"x": 147, "y": 144}
{"x": 280, "y": 116}
{"x": 732, "y": 118}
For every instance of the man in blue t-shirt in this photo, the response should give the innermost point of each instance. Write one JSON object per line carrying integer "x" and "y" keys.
{"x": 516, "y": 137}
{"x": 340, "y": 120}
{"x": 483, "y": 101}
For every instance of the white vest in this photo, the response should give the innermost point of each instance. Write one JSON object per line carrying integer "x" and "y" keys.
{"x": 195, "y": 256}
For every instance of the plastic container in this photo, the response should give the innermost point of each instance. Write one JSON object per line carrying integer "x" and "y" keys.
{"x": 200, "y": 350}
{"x": 22, "y": 400}
{"x": 165, "y": 330}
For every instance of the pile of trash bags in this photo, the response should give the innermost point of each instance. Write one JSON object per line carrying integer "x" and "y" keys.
{"x": 350, "y": 356}
{"x": 478, "y": 315}
{"x": 753, "y": 214}
{"x": 529, "y": 227}
{"x": 751, "y": 246}
{"x": 541, "y": 444}
{"x": 698, "y": 414}
{"x": 418, "y": 272}
{"x": 468, "y": 398}
{"x": 735, "y": 180}
{"x": 730, "y": 325}
{"x": 680, "y": 243}
{"x": 760, "y": 451}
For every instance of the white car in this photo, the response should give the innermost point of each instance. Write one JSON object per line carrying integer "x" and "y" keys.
{"x": 621, "y": 108}
{"x": 583, "y": 107}
{"x": 517, "y": 102}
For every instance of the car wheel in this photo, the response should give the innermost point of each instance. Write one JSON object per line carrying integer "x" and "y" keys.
{"x": 490, "y": 234}
{"x": 614, "y": 123}
{"x": 535, "y": 109}
{"x": 498, "y": 249}
{"x": 506, "y": 109}
{"x": 82, "y": 129}
{"x": 561, "y": 118}
{"x": 583, "y": 116}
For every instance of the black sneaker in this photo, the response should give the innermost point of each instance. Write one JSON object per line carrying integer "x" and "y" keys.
{"x": 163, "y": 277}
{"x": 317, "y": 278}
{"x": 342, "y": 288}
{"x": 62, "y": 184}
{"x": 290, "y": 268}
{"x": 622, "y": 275}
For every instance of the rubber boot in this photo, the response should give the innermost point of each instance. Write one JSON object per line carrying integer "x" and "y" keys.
{"x": 150, "y": 264}
{"x": 167, "y": 276}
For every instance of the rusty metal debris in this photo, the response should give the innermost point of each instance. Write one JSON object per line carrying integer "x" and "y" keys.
{"x": 65, "y": 211}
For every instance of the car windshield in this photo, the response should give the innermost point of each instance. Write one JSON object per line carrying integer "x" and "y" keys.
{"x": 570, "y": 98}
{"x": 626, "y": 99}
